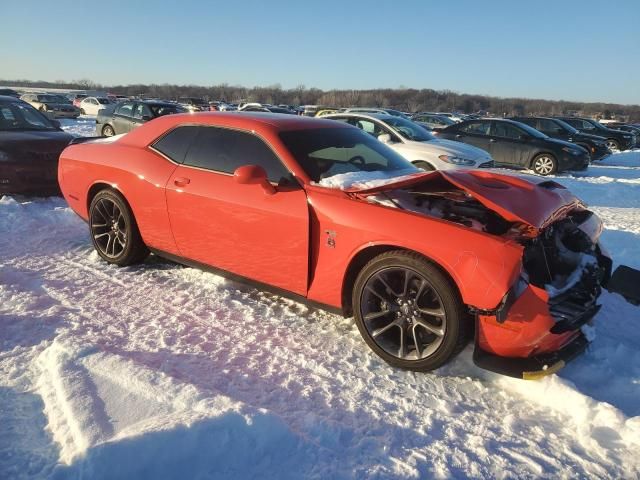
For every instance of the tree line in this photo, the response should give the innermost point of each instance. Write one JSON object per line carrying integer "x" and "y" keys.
{"x": 405, "y": 99}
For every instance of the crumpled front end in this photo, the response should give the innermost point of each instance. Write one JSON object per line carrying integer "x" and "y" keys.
{"x": 538, "y": 326}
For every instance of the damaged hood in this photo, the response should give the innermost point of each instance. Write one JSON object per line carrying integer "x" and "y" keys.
{"x": 532, "y": 201}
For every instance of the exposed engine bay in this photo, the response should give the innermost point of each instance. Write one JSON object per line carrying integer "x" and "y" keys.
{"x": 563, "y": 258}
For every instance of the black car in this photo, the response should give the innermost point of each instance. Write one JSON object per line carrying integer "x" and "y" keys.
{"x": 616, "y": 140}
{"x": 30, "y": 145}
{"x": 516, "y": 145}
{"x": 125, "y": 116}
{"x": 554, "y": 128}
{"x": 626, "y": 127}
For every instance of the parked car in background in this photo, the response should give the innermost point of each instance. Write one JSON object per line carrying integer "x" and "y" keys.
{"x": 92, "y": 105}
{"x": 432, "y": 121}
{"x": 53, "y": 105}
{"x": 324, "y": 213}
{"x": 415, "y": 143}
{"x": 626, "y": 127}
{"x": 383, "y": 111}
{"x": 616, "y": 140}
{"x": 194, "y": 104}
{"x": 516, "y": 145}
{"x": 125, "y": 116}
{"x": 453, "y": 116}
{"x": 256, "y": 107}
{"x": 30, "y": 144}
{"x": 76, "y": 98}
{"x": 9, "y": 92}
{"x": 554, "y": 128}
{"x": 326, "y": 111}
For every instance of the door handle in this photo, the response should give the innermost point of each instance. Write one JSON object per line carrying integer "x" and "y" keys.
{"x": 181, "y": 182}
{"x": 492, "y": 140}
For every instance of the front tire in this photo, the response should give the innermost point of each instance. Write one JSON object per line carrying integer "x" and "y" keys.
{"x": 544, "y": 164}
{"x": 108, "y": 131}
{"x": 82, "y": 112}
{"x": 114, "y": 231}
{"x": 612, "y": 144}
{"x": 409, "y": 312}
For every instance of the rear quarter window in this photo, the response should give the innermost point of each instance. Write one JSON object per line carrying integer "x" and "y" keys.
{"x": 176, "y": 143}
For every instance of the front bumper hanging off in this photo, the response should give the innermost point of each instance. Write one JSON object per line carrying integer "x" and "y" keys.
{"x": 531, "y": 368}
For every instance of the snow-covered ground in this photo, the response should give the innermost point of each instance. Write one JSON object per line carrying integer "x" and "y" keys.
{"x": 160, "y": 371}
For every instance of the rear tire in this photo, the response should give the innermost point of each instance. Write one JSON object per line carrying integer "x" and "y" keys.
{"x": 114, "y": 231}
{"x": 82, "y": 112}
{"x": 424, "y": 165}
{"x": 409, "y": 312}
{"x": 544, "y": 164}
{"x": 107, "y": 131}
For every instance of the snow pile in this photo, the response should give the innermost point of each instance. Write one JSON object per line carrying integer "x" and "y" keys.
{"x": 363, "y": 180}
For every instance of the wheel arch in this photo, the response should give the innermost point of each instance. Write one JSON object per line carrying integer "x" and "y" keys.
{"x": 363, "y": 256}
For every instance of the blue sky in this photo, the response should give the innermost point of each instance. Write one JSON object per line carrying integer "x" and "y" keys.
{"x": 575, "y": 50}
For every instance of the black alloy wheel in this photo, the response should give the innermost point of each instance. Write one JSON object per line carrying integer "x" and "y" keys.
{"x": 114, "y": 232}
{"x": 409, "y": 312}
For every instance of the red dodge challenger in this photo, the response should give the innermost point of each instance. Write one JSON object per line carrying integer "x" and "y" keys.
{"x": 325, "y": 213}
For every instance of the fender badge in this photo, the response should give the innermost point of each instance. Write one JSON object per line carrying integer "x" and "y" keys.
{"x": 331, "y": 238}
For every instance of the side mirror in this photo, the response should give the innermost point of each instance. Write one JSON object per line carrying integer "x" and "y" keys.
{"x": 254, "y": 175}
{"x": 56, "y": 123}
{"x": 146, "y": 118}
{"x": 385, "y": 138}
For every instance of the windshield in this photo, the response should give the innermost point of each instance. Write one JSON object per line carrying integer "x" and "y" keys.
{"x": 104, "y": 101}
{"x": 566, "y": 126}
{"x": 531, "y": 131}
{"x": 409, "y": 130}
{"x": 598, "y": 125}
{"x": 160, "y": 110}
{"x": 330, "y": 152}
{"x": 48, "y": 99}
{"x": 20, "y": 116}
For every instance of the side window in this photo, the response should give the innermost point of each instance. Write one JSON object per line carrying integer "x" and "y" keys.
{"x": 141, "y": 110}
{"x": 586, "y": 125}
{"x": 370, "y": 127}
{"x": 125, "y": 109}
{"x": 224, "y": 150}
{"x": 477, "y": 128}
{"x": 545, "y": 125}
{"x": 176, "y": 143}
{"x": 506, "y": 130}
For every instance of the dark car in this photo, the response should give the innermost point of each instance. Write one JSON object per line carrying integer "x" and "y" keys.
{"x": 626, "y": 127}
{"x": 554, "y": 128}
{"x": 30, "y": 145}
{"x": 268, "y": 108}
{"x": 125, "y": 116}
{"x": 516, "y": 145}
{"x": 9, "y": 92}
{"x": 616, "y": 140}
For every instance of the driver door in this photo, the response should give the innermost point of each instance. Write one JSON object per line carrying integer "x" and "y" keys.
{"x": 234, "y": 227}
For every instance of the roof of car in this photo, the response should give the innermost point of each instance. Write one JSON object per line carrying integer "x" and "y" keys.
{"x": 9, "y": 98}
